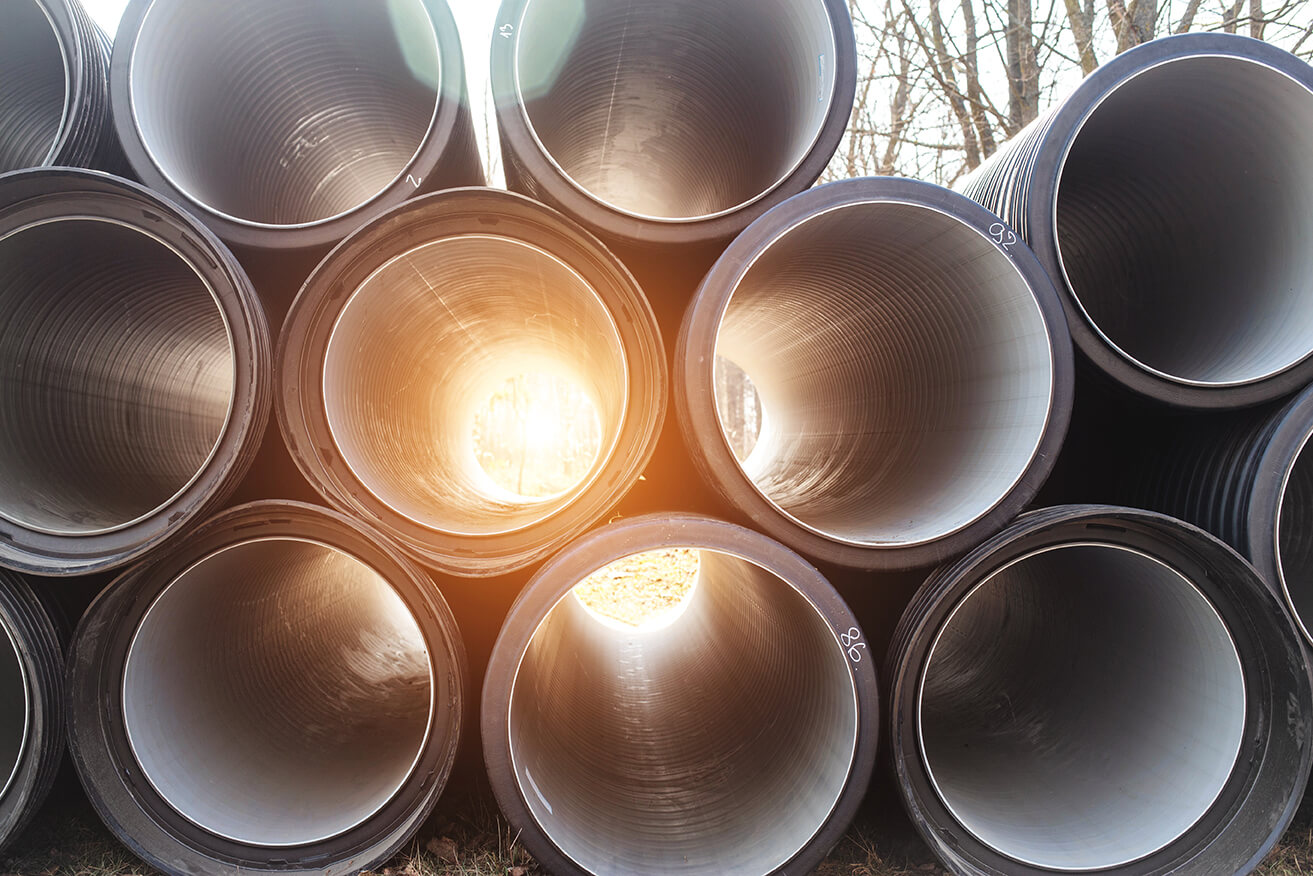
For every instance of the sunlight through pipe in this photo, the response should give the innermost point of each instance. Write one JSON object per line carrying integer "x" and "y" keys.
{"x": 737, "y": 738}
{"x": 31, "y": 704}
{"x": 1099, "y": 689}
{"x": 674, "y": 122}
{"x": 134, "y": 371}
{"x": 407, "y": 332}
{"x": 1171, "y": 199}
{"x": 54, "y": 106}
{"x": 912, "y": 370}
{"x": 281, "y": 691}
{"x": 287, "y": 125}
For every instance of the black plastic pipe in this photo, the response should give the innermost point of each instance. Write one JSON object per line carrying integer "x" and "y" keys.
{"x": 673, "y": 123}
{"x": 1103, "y": 690}
{"x": 912, "y": 371}
{"x": 736, "y": 737}
{"x": 286, "y": 125}
{"x": 407, "y": 331}
{"x": 31, "y": 704}
{"x": 1169, "y": 197}
{"x": 54, "y": 107}
{"x": 281, "y": 691}
{"x": 134, "y": 371}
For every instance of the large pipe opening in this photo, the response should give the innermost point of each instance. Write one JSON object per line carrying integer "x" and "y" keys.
{"x": 1183, "y": 216}
{"x": 116, "y": 375}
{"x": 676, "y": 111}
{"x": 902, "y": 368}
{"x": 715, "y": 738}
{"x": 14, "y": 709}
{"x": 278, "y": 692}
{"x": 35, "y": 94}
{"x": 1081, "y": 708}
{"x": 476, "y": 384}
{"x": 1294, "y": 540}
{"x": 288, "y": 113}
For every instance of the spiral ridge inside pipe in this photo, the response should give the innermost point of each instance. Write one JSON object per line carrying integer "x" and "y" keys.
{"x": 909, "y": 371}
{"x": 670, "y": 123}
{"x": 733, "y": 732}
{"x": 281, "y": 691}
{"x": 491, "y": 381}
{"x": 134, "y": 369}
{"x": 1169, "y": 198}
{"x": 1099, "y": 689}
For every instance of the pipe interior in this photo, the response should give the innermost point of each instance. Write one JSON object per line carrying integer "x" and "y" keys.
{"x": 277, "y": 693}
{"x": 1082, "y": 708}
{"x": 718, "y": 744}
{"x": 285, "y": 113}
{"x": 903, "y": 368}
{"x": 13, "y": 708}
{"x": 1295, "y": 540}
{"x": 676, "y": 110}
{"x": 32, "y": 101}
{"x": 116, "y": 375}
{"x": 1184, "y": 211}
{"x": 423, "y": 344}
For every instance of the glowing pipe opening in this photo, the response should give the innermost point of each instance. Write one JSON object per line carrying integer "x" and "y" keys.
{"x": 679, "y": 111}
{"x": 278, "y": 693}
{"x": 284, "y": 114}
{"x": 34, "y": 100}
{"x": 116, "y": 375}
{"x": 1183, "y": 215}
{"x": 1081, "y": 708}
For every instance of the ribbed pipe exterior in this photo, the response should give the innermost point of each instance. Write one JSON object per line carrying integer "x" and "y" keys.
{"x": 83, "y": 135}
{"x": 1260, "y": 795}
{"x": 25, "y": 622}
{"x": 336, "y": 663}
{"x": 737, "y": 736}
{"x": 1146, "y": 149}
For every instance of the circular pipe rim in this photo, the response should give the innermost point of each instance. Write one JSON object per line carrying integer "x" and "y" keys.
{"x": 7, "y": 781}
{"x": 1041, "y": 217}
{"x": 559, "y": 191}
{"x": 300, "y": 409}
{"x": 439, "y": 137}
{"x": 144, "y": 821}
{"x": 42, "y": 193}
{"x": 232, "y": 388}
{"x": 555, "y": 581}
{"x": 61, "y": 131}
{"x": 1279, "y": 686}
{"x": 700, "y": 421}
{"x": 134, "y": 748}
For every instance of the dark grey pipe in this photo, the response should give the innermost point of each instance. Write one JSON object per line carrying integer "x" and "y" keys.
{"x": 286, "y": 125}
{"x": 735, "y": 737}
{"x": 1169, "y": 199}
{"x": 1099, "y": 689}
{"x": 675, "y": 122}
{"x": 281, "y": 691}
{"x": 400, "y": 337}
{"x": 911, "y": 363}
{"x": 134, "y": 361}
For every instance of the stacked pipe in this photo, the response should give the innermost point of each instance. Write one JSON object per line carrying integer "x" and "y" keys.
{"x": 279, "y": 686}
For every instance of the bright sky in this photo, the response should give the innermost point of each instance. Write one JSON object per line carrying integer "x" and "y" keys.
{"x": 474, "y": 18}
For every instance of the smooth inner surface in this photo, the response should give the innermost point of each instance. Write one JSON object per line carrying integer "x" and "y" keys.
{"x": 1184, "y": 211}
{"x": 1295, "y": 540}
{"x": 13, "y": 708}
{"x": 278, "y": 693}
{"x": 116, "y": 376}
{"x": 903, "y": 368}
{"x": 285, "y": 113}
{"x": 1082, "y": 708}
{"x": 428, "y": 339}
{"x": 717, "y": 744}
{"x": 33, "y": 86}
{"x": 676, "y": 110}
